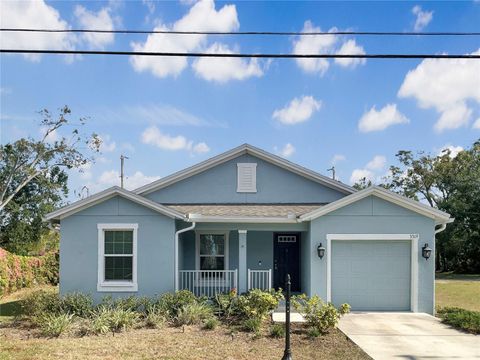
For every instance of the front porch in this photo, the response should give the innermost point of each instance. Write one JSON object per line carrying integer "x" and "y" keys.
{"x": 216, "y": 258}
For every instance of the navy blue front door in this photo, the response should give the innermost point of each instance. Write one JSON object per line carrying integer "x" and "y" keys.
{"x": 286, "y": 259}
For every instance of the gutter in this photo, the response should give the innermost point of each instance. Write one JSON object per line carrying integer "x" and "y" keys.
{"x": 290, "y": 219}
{"x": 177, "y": 235}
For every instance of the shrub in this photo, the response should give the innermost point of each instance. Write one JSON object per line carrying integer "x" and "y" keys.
{"x": 17, "y": 272}
{"x": 460, "y": 318}
{"x": 252, "y": 325}
{"x": 50, "y": 302}
{"x": 277, "y": 330}
{"x": 112, "y": 320}
{"x": 313, "y": 332}
{"x": 78, "y": 304}
{"x": 154, "y": 320}
{"x": 258, "y": 304}
{"x": 53, "y": 325}
{"x": 210, "y": 323}
{"x": 41, "y": 302}
{"x": 319, "y": 315}
{"x": 226, "y": 304}
{"x": 171, "y": 303}
{"x": 193, "y": 314}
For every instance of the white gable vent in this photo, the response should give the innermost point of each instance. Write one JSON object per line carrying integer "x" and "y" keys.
{"x": 246, "y": 177}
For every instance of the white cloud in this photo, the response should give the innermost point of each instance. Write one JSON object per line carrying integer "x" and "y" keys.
{"x": 298, "y": 110}
{"x": 378, "y": 162}
{"x": 107, "y": 145}
{"x": 476, "y": 124}
{"x": 202, "y": 16}
{"x": 377, "y": 120}
{"x": 350, "y": 47}
{"x": 101, "y": 20}
{"x": 312, "y": 44}
{"x": 201, "y": 148}
{"x": 337, "y": 158}
{"x": 325, "y": 44}
{"x": 51, "y": 137}
{"x": 372, "y": 170}
{"x": 153, "y": 136}
{"x": 454, "y": 150}
{"x": 359, "y": 174}
{"x": 86, "y": 171}
{"x": 423, "y": 17}
{"x": 222, "y": 70}
{"x": 34, "y": 14}
{"x": 112, "y": 178}
{"x": 446, "y": 85}
{"x": 287, "y": 151}
{"x": 161, "y": 114}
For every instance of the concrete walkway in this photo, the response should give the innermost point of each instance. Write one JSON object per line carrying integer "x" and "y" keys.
{"x": 408, "y": 336}
{"x": 278, "y": 316}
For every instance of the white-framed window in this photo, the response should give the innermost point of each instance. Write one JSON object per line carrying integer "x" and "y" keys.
{"x": 117, "y": 257}
{"x": 212, "y": 250}
{"x": 247, "y": 177}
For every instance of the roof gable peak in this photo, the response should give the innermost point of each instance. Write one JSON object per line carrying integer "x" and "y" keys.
{"x": 236, "y": 152}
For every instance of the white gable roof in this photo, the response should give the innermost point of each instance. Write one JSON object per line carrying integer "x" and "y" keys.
{"x": 439, "y": 216}
{"x": 240, "y": 150}
{"x": 107, "y": 194}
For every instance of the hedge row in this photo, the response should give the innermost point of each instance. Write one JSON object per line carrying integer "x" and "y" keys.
{"x": 17, "y": 272}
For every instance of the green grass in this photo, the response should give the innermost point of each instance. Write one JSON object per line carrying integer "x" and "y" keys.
{"x": 461, "y": 319}
{"x": 458, "y": 290}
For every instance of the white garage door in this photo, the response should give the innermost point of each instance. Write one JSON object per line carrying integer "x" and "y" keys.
{"x": 371, "y": 275}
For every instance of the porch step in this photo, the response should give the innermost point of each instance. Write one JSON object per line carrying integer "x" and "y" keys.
{"x": 278, "y": 316}
{"x": 295, "y": 317}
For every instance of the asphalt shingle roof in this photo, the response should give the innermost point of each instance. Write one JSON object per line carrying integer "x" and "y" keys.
{"x": 253, "y": 210}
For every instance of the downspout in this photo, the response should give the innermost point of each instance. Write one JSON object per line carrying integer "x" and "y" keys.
{"x": 177, "y": 235}
{"x": 441, "y": 228}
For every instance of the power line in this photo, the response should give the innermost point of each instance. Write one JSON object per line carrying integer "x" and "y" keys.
{"x": 244, "y": 55}
{"x": 266, "y": 33}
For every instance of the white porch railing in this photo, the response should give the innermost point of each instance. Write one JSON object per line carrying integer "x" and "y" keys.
{"x": 259, "y": 279}
{"x": 208, "y": 282}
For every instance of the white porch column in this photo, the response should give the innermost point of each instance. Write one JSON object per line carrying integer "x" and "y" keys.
{"x": 242, "y": 261}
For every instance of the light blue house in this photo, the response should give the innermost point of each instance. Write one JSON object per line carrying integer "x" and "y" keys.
{"x": 244, "y": 219}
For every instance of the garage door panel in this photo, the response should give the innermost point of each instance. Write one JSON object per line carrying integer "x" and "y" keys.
{"x": 371, "y": 274}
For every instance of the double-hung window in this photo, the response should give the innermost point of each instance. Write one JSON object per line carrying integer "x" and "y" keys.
{"x": 117, "y": 260}
{"x": 212, "y": 252}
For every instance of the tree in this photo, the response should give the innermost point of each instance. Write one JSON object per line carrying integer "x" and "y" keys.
{"x": 33, "y": 178}
{"x": 362, "y": 183}
{"x": 452, "y": 184}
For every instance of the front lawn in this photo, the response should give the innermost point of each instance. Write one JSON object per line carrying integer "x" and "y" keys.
{"x": 25, "y": 337}
{"x": 173, "y": 343}
{"x": 457, "y": 290}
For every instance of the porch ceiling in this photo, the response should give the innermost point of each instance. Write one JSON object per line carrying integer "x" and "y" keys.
{"x": 246, "y": 210}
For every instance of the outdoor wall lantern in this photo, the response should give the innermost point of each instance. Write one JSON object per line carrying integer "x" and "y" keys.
{"x": 320, "y": 251}
{"x": 426, "y": 251}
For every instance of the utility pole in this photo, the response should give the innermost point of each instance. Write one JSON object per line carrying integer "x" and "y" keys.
{"x": 332, "y": 169}
{"x": 122, "y": 159}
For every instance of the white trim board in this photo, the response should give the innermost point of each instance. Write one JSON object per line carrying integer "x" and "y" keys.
{"x": 232, "y": 154}
{"x": 414, "y": 238}
{"x": 108, "y": 194}
{"x": 116, "y": 286}
{"x": 439, "y": 216}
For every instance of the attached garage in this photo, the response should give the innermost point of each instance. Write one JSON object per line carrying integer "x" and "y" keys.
{"x": 372, "y": 272}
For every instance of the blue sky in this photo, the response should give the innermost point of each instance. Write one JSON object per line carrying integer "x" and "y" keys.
{"x": 169, "y": 114}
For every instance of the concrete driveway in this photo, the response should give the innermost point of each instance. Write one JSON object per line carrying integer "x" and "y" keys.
{"x": 408, "y": 336}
